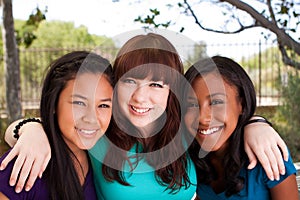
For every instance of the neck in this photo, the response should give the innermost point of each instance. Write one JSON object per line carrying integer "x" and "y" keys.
{"x": 216, "y": 159}
{"x": 81, "y": 165}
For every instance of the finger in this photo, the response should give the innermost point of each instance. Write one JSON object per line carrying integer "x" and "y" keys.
{"x": 16, "y": 170}
{"x": 24, "y": 174}
{"x": 10, "y": 156}
{"x": 263, "y": 159}
{"x": 273, "y": 162}
{"x": 279, "y": 160}
{"x": 283, "y": 148}
{"x": 33, "y": 174}
{"x": 45, "y": 163}
{"x": 251, "y": 156}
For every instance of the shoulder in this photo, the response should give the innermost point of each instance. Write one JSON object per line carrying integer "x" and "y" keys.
{"x": 259, "y": 174}
{"x": 289, "y": 170}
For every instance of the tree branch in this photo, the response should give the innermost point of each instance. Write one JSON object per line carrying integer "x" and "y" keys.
{"x": 282, "y": 37}
{"x": 271, "y": 11}
{"x": 189, "y": 8}
{"x": 286, "y": 59}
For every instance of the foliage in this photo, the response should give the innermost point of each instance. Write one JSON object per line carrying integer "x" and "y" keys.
{"x": 265, "y": 69}
{"x": 282, "y": 18}
{"x": 198, "y": 52}
{"x": 287, "y": 115}
{"x": 53, "y": 39}
{"x": 150, "y": 20}
{"x": 57, "y": 34}
{"x": 25, "y": 34}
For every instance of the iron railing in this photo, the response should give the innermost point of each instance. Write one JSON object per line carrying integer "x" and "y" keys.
{"x": 261, "y": 61}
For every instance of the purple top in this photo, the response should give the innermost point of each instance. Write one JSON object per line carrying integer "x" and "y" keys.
{"x": 39, "y": 189}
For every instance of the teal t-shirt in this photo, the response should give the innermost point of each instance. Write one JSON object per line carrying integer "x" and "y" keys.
{"x": 257, "y": 185}
{"x": 142, "y": 180}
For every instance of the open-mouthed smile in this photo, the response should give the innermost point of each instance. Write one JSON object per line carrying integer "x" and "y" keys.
{"x": 140, "y": 110}
{"x": 86, "y": 131}
{"x": 210, "y": 130}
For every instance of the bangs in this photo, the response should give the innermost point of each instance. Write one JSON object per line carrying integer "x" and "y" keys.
{"x": 159, "y": 65}
{"x": 154, "y": 71}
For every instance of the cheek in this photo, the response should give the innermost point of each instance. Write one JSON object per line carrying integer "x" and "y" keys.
{"x": 163, "y": 99}
{"x": 104, "y": 119}
{"x": 220, "y": 113}
{"x": 66, "y": 119}
{"x": 65, "y": 113}
{"x": 123, "y": 94}
{"x": 190, "y": 117}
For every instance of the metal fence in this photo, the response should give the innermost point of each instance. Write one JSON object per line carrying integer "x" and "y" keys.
{"x": 261, "y": 61}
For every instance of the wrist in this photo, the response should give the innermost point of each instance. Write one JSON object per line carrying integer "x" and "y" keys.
{"x": 20, "y": 126}
{"x": 258, "y": 119}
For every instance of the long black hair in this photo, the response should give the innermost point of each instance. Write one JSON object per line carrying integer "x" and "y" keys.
{"x": 61, "y": 175}
{"x": 235, "y": 157}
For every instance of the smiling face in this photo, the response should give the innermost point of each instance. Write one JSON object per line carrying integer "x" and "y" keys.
{"x": 142, "y": 101}
{"x": 213, "y": 111}
{"x": 84, "y": 110}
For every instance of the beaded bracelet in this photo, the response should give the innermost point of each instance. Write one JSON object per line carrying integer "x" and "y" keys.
{"x": 21, "y": 123}
{"x": 263, "y": 120}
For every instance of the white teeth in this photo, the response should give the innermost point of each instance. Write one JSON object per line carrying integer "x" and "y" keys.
{"x": 140, "y": 110}
{"x": 209, "y": 131}
{"x": 87, "y": 131}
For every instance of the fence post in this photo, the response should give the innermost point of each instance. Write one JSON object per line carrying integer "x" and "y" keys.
{"x": 259, "y": 72}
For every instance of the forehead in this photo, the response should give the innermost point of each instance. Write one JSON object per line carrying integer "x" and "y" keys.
{"x": 90, "y": 83}
{"x": 212, "y": 83}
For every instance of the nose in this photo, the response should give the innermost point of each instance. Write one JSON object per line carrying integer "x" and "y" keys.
{"x": 90, "y": 116}
{"x": 205, "y": 115}
{"x": 140, "y": 94}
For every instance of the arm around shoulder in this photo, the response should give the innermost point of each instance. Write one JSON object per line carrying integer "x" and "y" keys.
{"x": 264, "y": 144}
{"x": 9, "y": 133}
{"x": 33, "y": 151}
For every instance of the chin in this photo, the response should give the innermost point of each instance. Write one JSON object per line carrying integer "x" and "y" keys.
{"x": 86, "y": 145}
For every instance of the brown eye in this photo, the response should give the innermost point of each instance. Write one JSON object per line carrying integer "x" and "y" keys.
{"x": 192, "y": 105}
{"x": 156, "y": 85}
{"x": 128, "y": 80}
{"x": 216, "y": 102}
{"x": 80, "y": 103}
{"x": 104, "y": 106}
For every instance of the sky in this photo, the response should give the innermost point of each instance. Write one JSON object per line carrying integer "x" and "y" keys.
{"x": 105, "y": 17}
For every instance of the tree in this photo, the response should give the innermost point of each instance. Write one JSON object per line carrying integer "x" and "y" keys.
{"x": 199, "y": 51}
{"x": 281, "y": 17}
{"x": 11, "y": 63}
{"x": 11, "y": 40}
{"x": 53, "y": 39}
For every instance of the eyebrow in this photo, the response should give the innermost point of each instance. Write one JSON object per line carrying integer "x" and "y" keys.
{"x": 216, "y": 94}
{"x": 78, "y": 96}
{"x": 192, "y": 97}
{"x": 82, "y": 97}
{"x": 107, "y": 99}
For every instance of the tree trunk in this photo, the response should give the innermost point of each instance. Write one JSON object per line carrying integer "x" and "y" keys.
{"x": 11, "y": 63}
